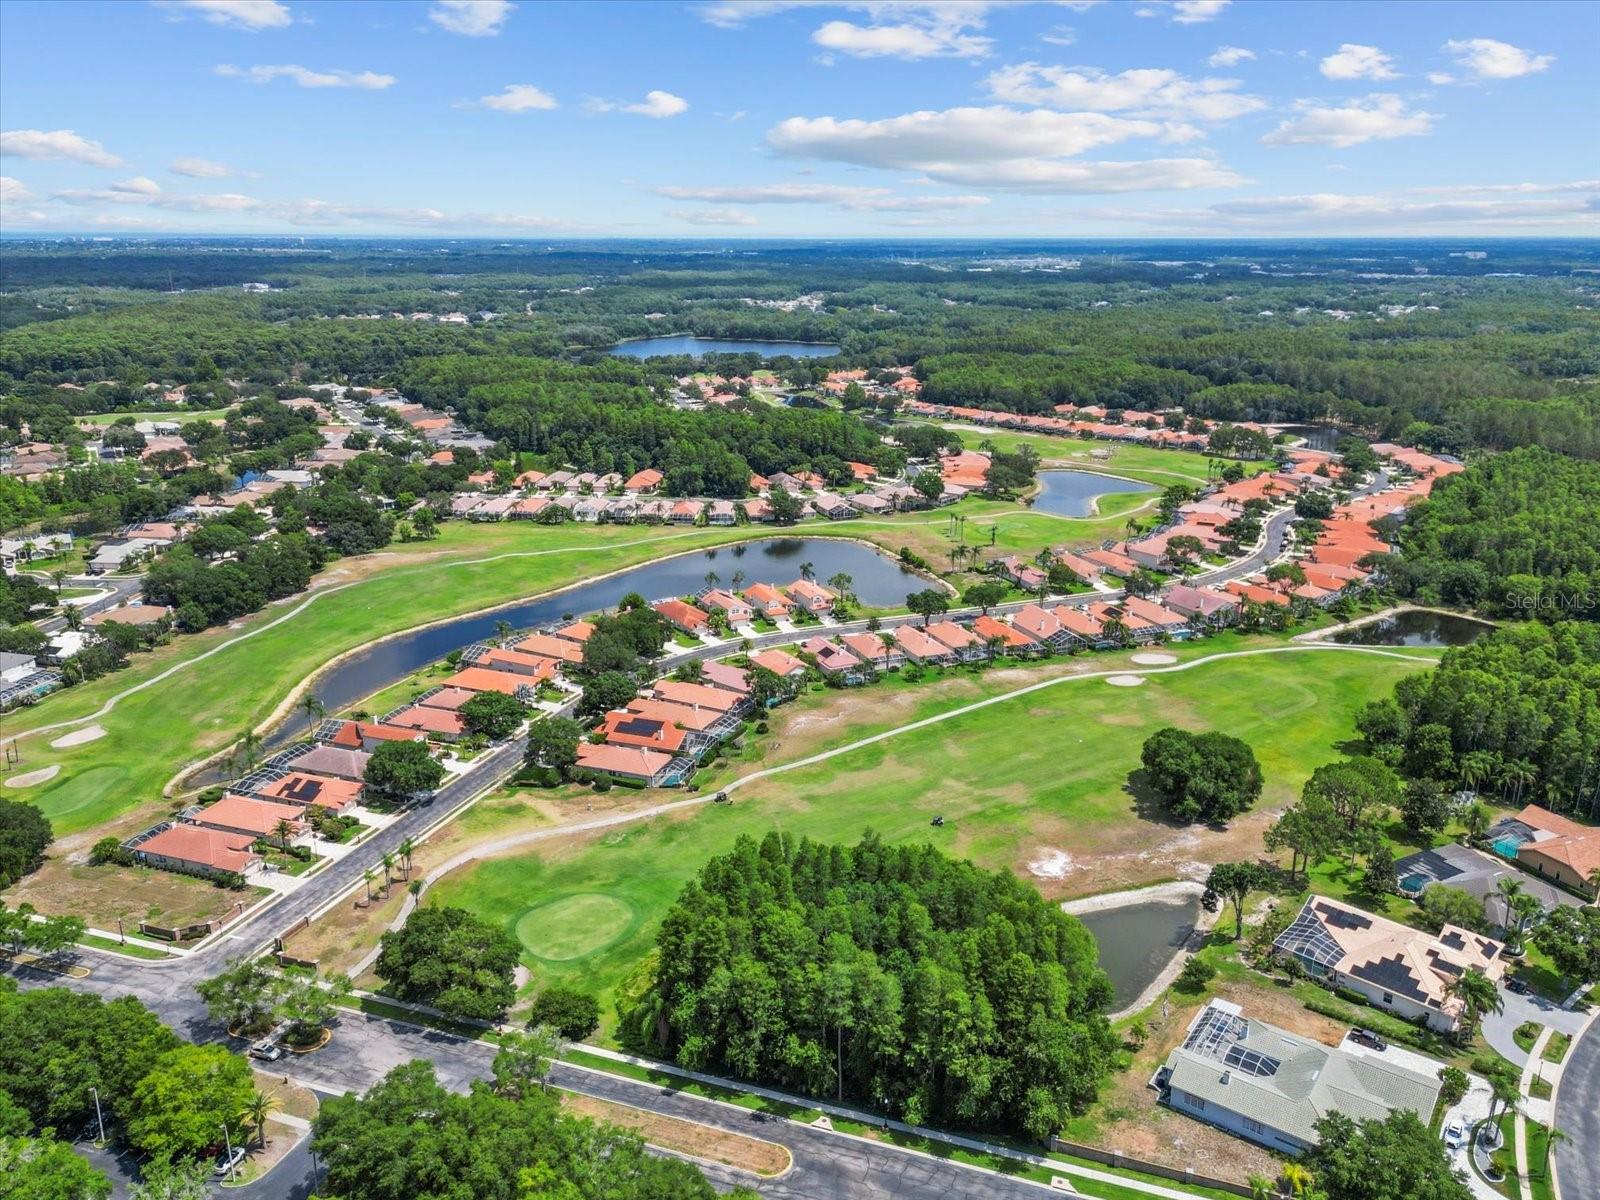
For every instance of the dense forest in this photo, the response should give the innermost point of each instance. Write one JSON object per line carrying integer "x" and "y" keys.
{"x": 888, "y": 976}
{"x": 1410, "y": 340}
{"x": 1516, "y": 714}
{"x": 1515, "y": 534}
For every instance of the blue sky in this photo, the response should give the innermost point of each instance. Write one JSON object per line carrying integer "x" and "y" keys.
{"x": 767, "y": 119}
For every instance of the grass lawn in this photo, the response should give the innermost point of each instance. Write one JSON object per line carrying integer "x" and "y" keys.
{"x": 181, "y": 414}
{"x": 1137, "y": 462}
{"x": 1049, "y": 770}
{"x": 1556, "y": 1048}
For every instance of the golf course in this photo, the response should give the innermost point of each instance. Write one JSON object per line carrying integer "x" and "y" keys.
{"x": 1019, "y": 781}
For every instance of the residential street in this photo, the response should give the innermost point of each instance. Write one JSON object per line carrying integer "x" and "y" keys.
{"x": 1578, "y": 1116}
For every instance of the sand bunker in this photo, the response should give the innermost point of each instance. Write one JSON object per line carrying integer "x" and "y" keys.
{"x": 1125, "y": 680}
{"x": 33, "y": 777}
{"x": 78, "y": 737}
{"x": 1051, "y": 864}
{"x": 1150, "y": 659}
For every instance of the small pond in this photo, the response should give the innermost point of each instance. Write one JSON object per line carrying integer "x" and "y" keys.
{"x": 1415, "y": 627}
{"x": 683, "y": 343}
{"x": 877, "y": 580}
{"x": 1072, "y": 493}
{"x": 1317, "y": 437}
{"x": 1137, "y": 941}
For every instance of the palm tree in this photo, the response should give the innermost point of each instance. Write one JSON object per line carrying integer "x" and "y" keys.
{"x": 1526, "y": 909}
{"x": 314, "y": 710}
{"x": 737, "y": 580}
{"x": 842, "y": 583}
{"x": 366, "y": 878}
{"x": 1477, "y": 994}
{"x": 888, "y": 640}
{"x": 58, "y": 577}
{"x": 1476, "y": 819}
{"x": 388, "y": 871}
{"x": 255, "y": 1112}
{"x": 407, "y": 848}
{"x": 283, "y": 831}
{"x": 1297, "y": 1177}
{"x": 1517, "y": 775}
{"x": 1476, "y": 766}
{"x": 74, "y": 617}
{"x": 1594, "y": 880}
{"x": 502, "y": 632}
{"x": 1551, "y": 1138}
{"x": 248, "y": 750}
{"x": 712, "y": 579}
{"x": 1260, "y": 1188}
{"x": 415, "y": 888}
{"x": 1505, "y": 1090}
{"x": 807, "y": 571}
{"x": 1509, "y": 889}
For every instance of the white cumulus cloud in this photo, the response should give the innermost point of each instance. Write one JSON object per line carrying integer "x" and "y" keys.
{"x": 250, "y": 15}
{"x": 56, "y": 144}
{"x": 997, "y": 147}
{"x": 471, "y": 18}
{"x": 1230, "y": 56}
{"x": 1488, "y": 59}
{"x": 1354, "y": 61}
{"x": 519, "y": 97}
{"x": 656, "y": 104}
{"x": 199, "y": 168}
{"x": 307, "y": 78}
{"x": 1378, "y": 117}
{"x": 1183, "y": 12}
{"x": 1153, "y": 92}
{"x": 899, "y": 41}
{"x": 13, "y": 191}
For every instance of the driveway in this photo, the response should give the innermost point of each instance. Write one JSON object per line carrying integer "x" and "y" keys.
{"x": 1498, "y": 1027}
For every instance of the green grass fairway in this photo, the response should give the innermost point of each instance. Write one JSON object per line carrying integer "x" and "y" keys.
{"x": 1137, "y": 462}
{"x": 1048, "y": 769}
{"x": 574, "y": 926}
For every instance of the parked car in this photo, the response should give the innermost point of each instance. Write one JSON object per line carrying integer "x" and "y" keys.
{"x": 937, "y": 822}
{"x": 1516, "y": 986}
{"x": 266, "y": 1051}
{"x": 228, "y": 1162}
{"x": 1365, "y": 1037}
{"x": 1455, "y": 1135}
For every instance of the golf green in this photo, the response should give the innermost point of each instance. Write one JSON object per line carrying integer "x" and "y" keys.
{"x": 573, "y": 926}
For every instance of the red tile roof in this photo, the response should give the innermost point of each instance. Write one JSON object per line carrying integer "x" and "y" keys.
{"x": 258, "y": 817}
{"x": 202, "y": 847}
{"x": 481, "y": 679}
{"x": 631, "y": 761}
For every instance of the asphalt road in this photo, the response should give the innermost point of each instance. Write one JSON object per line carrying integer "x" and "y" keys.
{"x": 123, "y": 589}
{"x": 1578, "y": 1116}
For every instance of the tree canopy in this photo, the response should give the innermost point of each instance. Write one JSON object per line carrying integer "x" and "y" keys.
{"x": 453, "y": 960}
{"x": 890, "y": 976}
{"x": 1210, "y": 777}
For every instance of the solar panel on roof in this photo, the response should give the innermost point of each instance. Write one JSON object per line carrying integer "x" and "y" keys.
{"x": 1392, "y": 975}
{"x": 1340, "y": 919}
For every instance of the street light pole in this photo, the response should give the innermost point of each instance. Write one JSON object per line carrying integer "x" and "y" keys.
{"x": 99, "y": 1118}
{"x": 227, "y": 1142}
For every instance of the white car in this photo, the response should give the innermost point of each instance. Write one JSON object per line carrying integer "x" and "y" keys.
{"x": 1455, "y": 1135}
{"x": 227, "y": 1163}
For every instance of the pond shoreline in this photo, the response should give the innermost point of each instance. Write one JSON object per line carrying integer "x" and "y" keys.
{"x": 1172, "y": 893}
{"x": 1395, "y": 610}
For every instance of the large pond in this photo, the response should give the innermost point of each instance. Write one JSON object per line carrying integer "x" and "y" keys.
{"x": 1415, "y": 627}
{"x": 1073, "y": 493}
{"x": 696, "y": 347}
{"x": 877, "y": 580}
{"x": 1137, "y": 941}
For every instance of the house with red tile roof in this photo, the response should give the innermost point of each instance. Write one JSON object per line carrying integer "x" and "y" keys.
{"x": 483, "y": 679}
{"x": 1559, "y": 848}
{"x": 368, "y": 735}
{"x": 768, "y": 600}
{"x": 735, "y": 609}
{"x": 1082, "y": 627}
{"x": 696, "y": 720}
{"x": 698, "y": 695}
{"x": 1111, "y": 562}
{"x": 1042, "y": 625}
{"x": 309, "y": 790}
{"x": 623, "y": 728}
{"x": 546, "y": 646}
{"x": 684, "y": 616}
{"x": 812, "y": 597}
{"x": 1011, "y": 641}
{"x": 1162, "y": 617}
{"x": 1203, "y": 606}
{"x": 536, "y": 667}
{"x": 449, "y": 698}
{"x": 919, "y": 647}
{"x": 1021, "y": 572}
{"x": 196, "y": 850}
{"x": 577, "y": 631}
{"x": 1081, "y": 567}
{"x": 643, "y": 483}
{"x": 439, "y": 724}
{"x": 624, "y": 762}
{"x": 1255, "y": 593}
{"x": 863, "y": 472}
{"x": 960, "y": 641}
{"x": 757, "y": 510}
{"x": 250, "y": 816}
{"x": 725, "y": 676}
{"x": 835, "y": 660}
{"x": 781, "y": 663}
{"x": 685, "y": 512}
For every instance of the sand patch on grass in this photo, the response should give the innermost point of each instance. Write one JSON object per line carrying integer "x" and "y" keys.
{"x": 78, "y": 737}
{"x": 1125, "y": 680}
{"x": 1153, "y": 659}
{"x": 1051, "y": 864}
{"x": 28, "y": 779}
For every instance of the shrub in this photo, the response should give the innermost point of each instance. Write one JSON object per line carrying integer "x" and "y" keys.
{"x": 571, "y": 1013}
{"x": 109, "y": 850}
{"x": 1196, "y": 973}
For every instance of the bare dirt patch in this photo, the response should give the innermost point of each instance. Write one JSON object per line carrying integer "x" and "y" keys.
{"x": 686, "y": 1137}
{"x": 101, "y": 895}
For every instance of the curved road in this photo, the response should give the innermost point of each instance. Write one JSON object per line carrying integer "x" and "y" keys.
{"x": 1578, "y": 1116}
